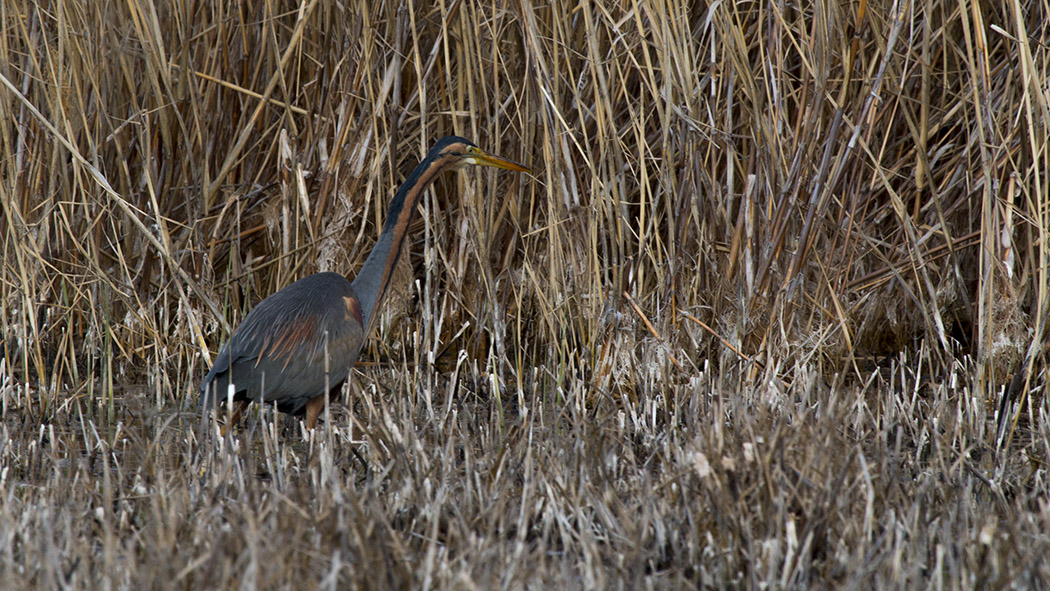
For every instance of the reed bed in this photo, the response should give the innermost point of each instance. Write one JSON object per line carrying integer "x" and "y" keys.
{"x": 770, "y": 311}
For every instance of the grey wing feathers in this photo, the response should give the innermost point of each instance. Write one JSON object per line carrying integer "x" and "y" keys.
{"x": 280, "y": 352}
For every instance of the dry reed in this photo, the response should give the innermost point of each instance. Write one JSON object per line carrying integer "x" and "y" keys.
{"x": 749, "y": 324}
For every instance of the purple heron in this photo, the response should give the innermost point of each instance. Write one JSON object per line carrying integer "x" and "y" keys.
{"x": 297, "y": 346}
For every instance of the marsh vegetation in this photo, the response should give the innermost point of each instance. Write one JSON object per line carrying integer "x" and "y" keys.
{"x": 752, "y": 322}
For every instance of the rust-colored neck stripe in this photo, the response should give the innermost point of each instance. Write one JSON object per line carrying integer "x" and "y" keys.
{"x": 371, "y": 283}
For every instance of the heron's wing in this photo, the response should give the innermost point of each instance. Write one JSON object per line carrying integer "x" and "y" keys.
{"x": 293, "y": 346}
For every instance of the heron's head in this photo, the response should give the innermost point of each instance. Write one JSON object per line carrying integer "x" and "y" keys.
{"x": 458, "y": 152}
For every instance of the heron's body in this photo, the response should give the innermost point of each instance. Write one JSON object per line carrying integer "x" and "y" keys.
{"x": 279, "y": 353}
{"x": 298, "y": 345}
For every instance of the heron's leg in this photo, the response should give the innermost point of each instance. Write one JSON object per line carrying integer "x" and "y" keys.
{"x": 238, "y": 410}
{"x": 314, "y": 408}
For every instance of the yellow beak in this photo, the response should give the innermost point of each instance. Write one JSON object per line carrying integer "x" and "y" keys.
{"x": 489, "y": 160}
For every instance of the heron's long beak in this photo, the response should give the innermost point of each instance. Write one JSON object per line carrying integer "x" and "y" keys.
{"x": 489, "y": 160}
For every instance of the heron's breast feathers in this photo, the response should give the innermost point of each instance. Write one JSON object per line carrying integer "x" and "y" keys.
{"x": 353, "y": 310}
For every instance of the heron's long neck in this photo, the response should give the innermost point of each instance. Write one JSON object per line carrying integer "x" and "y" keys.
{"x": 371, "y": 283}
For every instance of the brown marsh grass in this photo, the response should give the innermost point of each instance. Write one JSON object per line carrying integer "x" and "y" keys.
{"x": 770, "y": 312}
